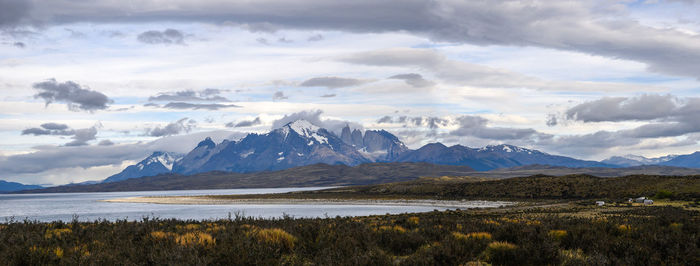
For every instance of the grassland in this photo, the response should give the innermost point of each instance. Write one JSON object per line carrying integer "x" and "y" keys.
{"x": 559, "y": 225}
{"x": 564, "y": 235}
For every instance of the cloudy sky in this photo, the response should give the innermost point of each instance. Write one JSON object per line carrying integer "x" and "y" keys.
{"x": 88, "y": 87}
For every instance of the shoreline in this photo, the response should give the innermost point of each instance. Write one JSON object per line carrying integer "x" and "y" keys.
{"x": 200, "y": 200}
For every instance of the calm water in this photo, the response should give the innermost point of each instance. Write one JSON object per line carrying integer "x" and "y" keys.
{"x": 88, "y": 207}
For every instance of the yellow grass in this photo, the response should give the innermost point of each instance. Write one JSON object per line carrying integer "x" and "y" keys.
{"x": 274, "y": 236}
{"x": 557, "y": 234}
{"x": 473, "y": 235}
{"x": 501, "y": 245}
{"x": 624, "y": 227}
{"x": 57, "y": 233}
{"x": 195, "y": 238}
{"x": 59, "y": 252}
{"x": 573, "y": 257}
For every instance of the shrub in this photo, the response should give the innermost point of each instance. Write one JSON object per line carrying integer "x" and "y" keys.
{"x": 557, "y": 234}
{"x": 663, "y": 194}
{"x": 274, "y": 236}
{"x": 473, "y": 235}
{"x": 573, "y": 257}
{"x": 195, "y": 238}
{"x": 501, "y": 253}
{"x": 57, "y": 233}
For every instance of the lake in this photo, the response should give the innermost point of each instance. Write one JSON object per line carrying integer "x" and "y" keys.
{"x": 89, "y": 207}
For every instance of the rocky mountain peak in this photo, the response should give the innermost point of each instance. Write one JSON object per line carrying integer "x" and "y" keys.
{"x": 207, "y": 143}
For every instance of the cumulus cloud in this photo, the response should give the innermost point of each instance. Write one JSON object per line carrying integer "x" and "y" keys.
{"x": 49, "y": 129}
{"x": 198, "y": 106}
{"x": 667, "y": 115}
{"x": 245, "y": 123}
{"x": 413, "y": 79}
{"x": 19, "y": 44}
{"x": 314, "y": 116}
{"x": 82, "y": 136}
{"x": 418, "y": 121}
{"x": 640, "y": 108}
{"x": 206, "y": 95}
{"x": 332, "y": 82}
{"x": 278, "y": 95}
{"x": 74, "y": 95}
{"x": 105, "y": 142}
{"x": 478, "y": 127}
{"x": 168, "y": 36}
{"x": 180, "y": 126}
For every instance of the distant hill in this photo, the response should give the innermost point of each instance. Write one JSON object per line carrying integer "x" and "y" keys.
{"x": 305, "y": 176}
{"x": 518, "y": 188}
{"x": 689, "y": 160}
{"x": 6, "y": 186}
{"x": 536, "y": 169}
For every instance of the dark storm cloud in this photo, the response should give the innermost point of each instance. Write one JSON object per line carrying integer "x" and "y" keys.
{"x": 332, "y": 82}
{"x": 197, "y": 106}
{"x": 180, "y": 126}
{"x": 245, "y": 123}
{"x": 19, "y": 44}
{"x": 76, "y": 96}
{"x": 206, "y": 95}
{"x": 168, "y": 36}
{"x": 328, "y": 95}
{"x": 413, "y": 79}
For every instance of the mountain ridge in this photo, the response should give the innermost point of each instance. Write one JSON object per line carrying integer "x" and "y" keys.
{"x": 300, "y": 143}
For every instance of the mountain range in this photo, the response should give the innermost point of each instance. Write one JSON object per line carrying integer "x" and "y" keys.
{"x": 301, "y": 143}
{"x": 6, "y": 186}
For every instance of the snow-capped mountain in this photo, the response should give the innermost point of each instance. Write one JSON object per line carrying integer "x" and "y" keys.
{"x": 156, "y": 163}
{"x": 376, "y": 145}
{"x": 636, "y": 160}
{"x": 295, "y": 144}
{"x": 302, "y": 143}
{"x": 490, "y": 157}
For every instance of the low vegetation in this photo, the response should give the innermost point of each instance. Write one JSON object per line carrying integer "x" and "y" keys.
{"x": 538, "y": 187}
{"x": 572, "y": 235}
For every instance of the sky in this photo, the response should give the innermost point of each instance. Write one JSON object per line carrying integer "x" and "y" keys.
{"x": 89, "y": 87}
